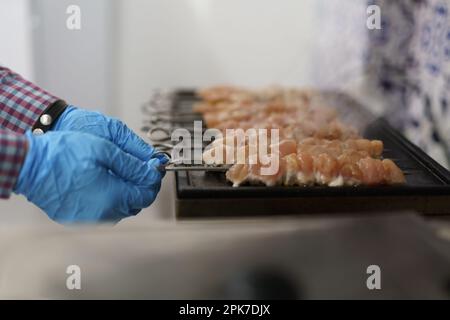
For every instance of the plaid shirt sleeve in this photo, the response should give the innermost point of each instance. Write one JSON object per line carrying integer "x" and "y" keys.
{"x": 21, "y": 104}
{"x": 12, "y": 154}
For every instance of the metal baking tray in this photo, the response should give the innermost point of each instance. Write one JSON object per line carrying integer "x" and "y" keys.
{"x": 427, "y": 190}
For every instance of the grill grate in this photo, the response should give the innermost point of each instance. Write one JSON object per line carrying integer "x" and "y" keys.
{"x": 427, "y": 187}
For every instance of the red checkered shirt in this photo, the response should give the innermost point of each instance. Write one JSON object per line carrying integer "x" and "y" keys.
{"x": 21, "y": 104}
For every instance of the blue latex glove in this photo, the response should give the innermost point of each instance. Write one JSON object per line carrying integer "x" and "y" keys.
{"x": 69, "y": 176}
{"x": 114, "y": 130}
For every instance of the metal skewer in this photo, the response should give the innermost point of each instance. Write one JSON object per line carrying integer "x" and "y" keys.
{"x": 173, "y": 167}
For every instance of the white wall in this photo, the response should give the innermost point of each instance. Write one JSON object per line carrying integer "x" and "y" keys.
{"x": 75, "y": 65}
{"x": 15, "y": 36}
{"x": 171, "y": 43}
{"x": 191, "y": 43}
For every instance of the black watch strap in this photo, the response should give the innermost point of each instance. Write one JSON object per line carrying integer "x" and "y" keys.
{"x": 49, "y": 117}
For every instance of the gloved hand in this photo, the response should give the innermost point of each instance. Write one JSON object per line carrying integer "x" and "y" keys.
{"x": 76, "y": 119}
{"x": 80, "y": 178}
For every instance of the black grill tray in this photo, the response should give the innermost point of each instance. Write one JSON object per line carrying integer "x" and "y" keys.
{"x": 427, "y": 189}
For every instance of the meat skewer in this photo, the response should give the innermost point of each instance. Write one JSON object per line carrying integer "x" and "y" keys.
{"x": 315, "y": 148}
{"x": 314, "y": 161}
